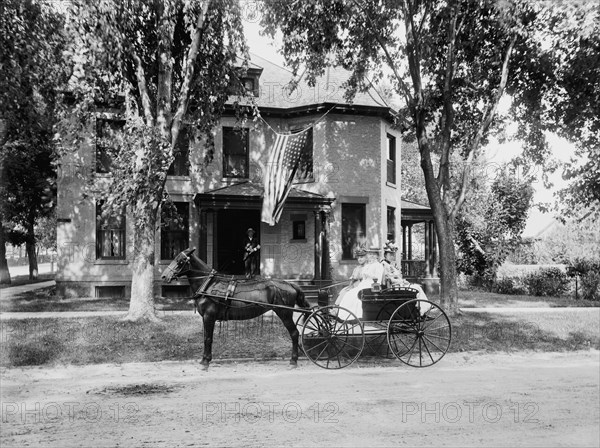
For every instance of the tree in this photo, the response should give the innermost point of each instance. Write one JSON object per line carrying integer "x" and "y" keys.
{"x": 485, "y": 239}
{"x": 452, "y": 62}
{"x": 175, "y": 62}
{"x": 32, "y": 70}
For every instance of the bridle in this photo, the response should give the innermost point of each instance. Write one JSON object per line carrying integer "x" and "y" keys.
{"x": 180, "y": 267}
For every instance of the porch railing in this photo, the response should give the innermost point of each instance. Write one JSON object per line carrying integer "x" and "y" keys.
{"x": 414, "y": 268}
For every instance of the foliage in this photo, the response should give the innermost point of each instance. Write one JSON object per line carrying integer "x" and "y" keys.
{"x": 509, "y": 285}
{"x": 485, "y": 239}
{"x": 565, "y": 243}
{"x": 547, "y": 282}
{"x": 31, "y": 74}
{"x": 174, "y": 64}
{"x": 588, "y": 270}
{"x": 451, "y": 62}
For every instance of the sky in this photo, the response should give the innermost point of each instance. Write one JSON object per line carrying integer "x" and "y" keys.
{"x": 496, "y": 153}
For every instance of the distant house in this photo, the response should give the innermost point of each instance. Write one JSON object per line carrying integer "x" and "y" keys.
{"x": 348, "y": 194}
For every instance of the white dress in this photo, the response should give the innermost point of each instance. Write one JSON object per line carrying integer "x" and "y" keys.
{"x": 348, "y": 297}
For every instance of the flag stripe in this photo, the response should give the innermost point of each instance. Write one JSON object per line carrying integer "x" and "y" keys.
{"x": 282, "y": 166}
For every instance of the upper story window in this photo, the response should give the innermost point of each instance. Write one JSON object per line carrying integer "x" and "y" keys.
{"x": 235, "y": 152}
{"x": 181, "y": 165}
{"x": 305, "y": 167}
{"x": 110, "y": 236}
{"x": 391, "y": 159}
{"x": 175, "y": 231}
{"x": 105, "y": 129}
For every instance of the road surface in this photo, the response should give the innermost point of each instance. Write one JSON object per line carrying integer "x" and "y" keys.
{"x": 468, "y": 399}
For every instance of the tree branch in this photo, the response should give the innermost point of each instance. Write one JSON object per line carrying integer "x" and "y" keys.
{"x": 388, "y": 57}
{"x": 184, "y": 91}
{"x": 166, "y": 28}
{"x": 486, "y": 121}
{"x": 142, "y": 87}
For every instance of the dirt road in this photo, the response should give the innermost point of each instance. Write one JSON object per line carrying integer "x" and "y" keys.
{"x": 468, "y": 399}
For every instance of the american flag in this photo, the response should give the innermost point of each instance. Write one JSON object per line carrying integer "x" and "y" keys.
{"x": 282, "y": 167}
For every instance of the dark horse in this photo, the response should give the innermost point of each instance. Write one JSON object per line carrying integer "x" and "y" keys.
{"x": 213, "y": 306}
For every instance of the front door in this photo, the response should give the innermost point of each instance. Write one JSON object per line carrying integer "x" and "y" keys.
{"x": 231, "y": 231}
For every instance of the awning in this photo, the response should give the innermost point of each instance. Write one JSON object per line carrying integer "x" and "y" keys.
{"x": 413, "y": 212}
{"x": 249, "y": 195}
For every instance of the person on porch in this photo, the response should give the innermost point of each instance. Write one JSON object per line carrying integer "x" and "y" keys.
{"x": 393, "y": 276}
{"x": 364, "y": 275}
{"x": 251, "y": 254}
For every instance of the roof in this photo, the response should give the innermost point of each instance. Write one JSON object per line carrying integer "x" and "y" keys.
{"x": 248, "y": 194}
{"x": 275, "y": 89}
{"x": 409, "y": 205}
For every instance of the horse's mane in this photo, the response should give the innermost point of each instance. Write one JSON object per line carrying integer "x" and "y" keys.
{"x": 206, "y": 269}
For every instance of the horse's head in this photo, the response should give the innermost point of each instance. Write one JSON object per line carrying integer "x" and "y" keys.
{"x": 178, "y": 267}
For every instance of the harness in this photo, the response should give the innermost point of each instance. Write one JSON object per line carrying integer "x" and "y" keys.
{"x": 202, "y": 292}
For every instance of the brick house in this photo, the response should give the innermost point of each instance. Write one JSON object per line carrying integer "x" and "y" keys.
{"x": 350, "y": 194}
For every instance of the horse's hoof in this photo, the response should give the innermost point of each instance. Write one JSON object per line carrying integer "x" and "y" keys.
{"x": 204, "y": 367}
{"x": 292, "y": 365}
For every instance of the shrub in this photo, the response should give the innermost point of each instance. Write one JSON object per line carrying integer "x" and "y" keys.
{"x": 589, "y": 273}
{"x": 547, "y": 282}
{"x": 509, "y": 285}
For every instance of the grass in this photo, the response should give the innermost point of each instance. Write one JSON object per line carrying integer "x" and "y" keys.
{"x": 484, "y": 299}
{"x": 46, "y": 300}
{"x": 56, "y": 341}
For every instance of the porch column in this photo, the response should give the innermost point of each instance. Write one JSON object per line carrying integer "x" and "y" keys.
{"x": 404, "y": 241}
{"x": 427, "y": 249}
{"x": 325, "y": 273}
{"x": 433, "y": 268}
{"x": 410, "y": 255}
{"x": 318, "y": 244}
{"x": 202, "y": 244}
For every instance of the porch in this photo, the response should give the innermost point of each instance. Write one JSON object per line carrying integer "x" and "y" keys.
{"x": 418, "y": 261}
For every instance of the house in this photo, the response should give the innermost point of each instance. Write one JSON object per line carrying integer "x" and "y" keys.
{"x": 348, "y": 193}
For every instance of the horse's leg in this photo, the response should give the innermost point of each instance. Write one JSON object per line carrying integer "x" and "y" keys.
{"x": 209, "y": 329}
{"x": 287, "y": 317}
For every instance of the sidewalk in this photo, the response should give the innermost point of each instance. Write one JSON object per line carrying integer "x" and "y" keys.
{"x": 12, "y": 291}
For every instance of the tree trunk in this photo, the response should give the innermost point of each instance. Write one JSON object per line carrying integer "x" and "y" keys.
{"x": 4, "y": 272}
{"x": 31, "y": 252}
{"x": 141, "y": 305}
{"x": 444, "y": 223}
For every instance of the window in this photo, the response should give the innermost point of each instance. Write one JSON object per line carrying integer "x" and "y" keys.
{"x": 105, "y": 128}
{"x": 299, "y": 230}
{"x": 235, "y": 152}
{"x": 110, "y": 236}
{"x": 391, "y": 159}
{"x": 353, "y": 229}
{"x": 391, "y": 224}
{"x": 175, "y": 234}
{"x": 305, "y": 166}
{"x": 110, "y": 292}
{"x": 180, "y": 166}
{"x": 250, "y": 85}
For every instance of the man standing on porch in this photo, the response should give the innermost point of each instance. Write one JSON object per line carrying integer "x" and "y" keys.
{"x": 252, "y": 254}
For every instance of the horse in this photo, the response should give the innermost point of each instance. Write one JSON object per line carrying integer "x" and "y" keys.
{"x": 213, "y": 301}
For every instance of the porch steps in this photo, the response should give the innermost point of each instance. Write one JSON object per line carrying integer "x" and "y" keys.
{"x": 310, "y": 288}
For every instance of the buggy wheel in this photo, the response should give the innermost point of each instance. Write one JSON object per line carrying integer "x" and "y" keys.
{"x": 419, "y": 333}
{"x": 332, "y": 337}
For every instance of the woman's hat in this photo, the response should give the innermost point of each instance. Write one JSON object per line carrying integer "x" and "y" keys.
{"x": 390, "y": 247}
{"x": 360, "y": 252}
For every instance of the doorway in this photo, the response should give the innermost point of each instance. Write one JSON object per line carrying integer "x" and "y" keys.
{"x": 231, "y": 231}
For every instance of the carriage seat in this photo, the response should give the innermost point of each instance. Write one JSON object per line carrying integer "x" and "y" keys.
{"x": 380, "y": 305}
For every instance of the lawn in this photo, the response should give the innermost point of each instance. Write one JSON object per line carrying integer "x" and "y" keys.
{"x": 55, "y": 341}
{"x": 106, "y": 339}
